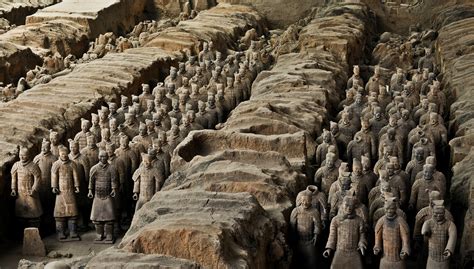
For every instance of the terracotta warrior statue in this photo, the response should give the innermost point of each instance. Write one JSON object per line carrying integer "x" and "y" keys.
{"x": 305, "y": 222}
{"x": 65, "y": 184}
{"x": 346, "y": 237}
{"x": 327, "y": 174}
{"x": 45, "y": 161}
{"x": 148, "y": 180}
{"x": 83, "y": 167}
{"x": 26, "y": 177}
{"x": 81, "y": 137}
{"x": 103, "y": 185}
{"x": 392, "y": 237}
{"x": 441, "y": 234}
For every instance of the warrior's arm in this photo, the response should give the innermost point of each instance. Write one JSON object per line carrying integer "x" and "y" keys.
{"x": 452, "y": 232}
{"x": 332, "y": 239}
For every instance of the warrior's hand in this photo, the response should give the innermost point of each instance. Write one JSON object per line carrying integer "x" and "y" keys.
{"x": 327, "y": 253}
{"x": 55, "y": 190}
{"x": 13, "y": 193}
{"x": 403, "y": 255}
{"x": 314, "y": 240}
{"x": 411, "y": 207}
{"x": 135, "y": 196}
{"x": 112, "y": 194}
{"x": 362, "y": 250}
{"x": 31, "y": 193}
{"x": 447, "y": 253}
{"x": 90, "y": 195}
{"x": 376, "y": 251}
{"x": 76, "y": 189}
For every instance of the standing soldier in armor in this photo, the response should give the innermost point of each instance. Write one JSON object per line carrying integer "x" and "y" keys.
{"x": 392, "y": 237}
{"x": 45, "y": 161}
{"x": 103, "y": 184}
{"x": 305, "y": 222}
{"x": 26, "y": 177}
{"x": 65, "y": 184}
{"x": 83, "y": 167}
{"x": 441, "y": 234}
{"x": 346, "y": 237}
{"x": 148, "y": 180}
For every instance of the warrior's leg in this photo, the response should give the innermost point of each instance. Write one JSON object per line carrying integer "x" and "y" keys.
{"x": 72, "y": 225}
{"x": 109, "y": 231}
{"x": 99, "y": 229}
{"x": 61, "y": 228}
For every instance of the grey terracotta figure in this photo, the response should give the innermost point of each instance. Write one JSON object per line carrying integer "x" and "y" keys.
{"x": 347, "y": 238}
{"x": 392, "y": 237}
{"x": 147, "y": 181}
{"x": 103, "y": 185}
{"x": 65, "y": 183}
{"x": 26, "y": 178}
{"x": 327, "y": 174}
{"x": 305, "y": 222}
{"x": 442, "y": 235}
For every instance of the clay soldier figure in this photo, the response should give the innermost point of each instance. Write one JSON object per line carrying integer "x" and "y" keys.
{"x": 338, "y": 196}
{"x": 346, "y": 237}
{"x": 161, "y": 98}
{"x": 362, "y": 184}
{"x": 173, "y": 78}
{"x": 119, "y": 165}
{"x": 420, "y": 190}
{"x": 54, "y": 139}
{"x": 374, "y": 82}
{"x": 103, "y": 185}
{"x": 164, "y": 150}
{"x": 114, "y": 132}
{"x": 391, "y": 140}
{"x": 26, "y": 178}
{"x": 425, "y": 214}
{"x": 174, "y": 139}
{"x": 319, "y": 201}
{"x": 368, "y": 175}
{"x": 124, "y": 106}
{"x": 439, "y": 133}
{"x": 202, "y": 115}
{"x": 176, "y": 112}
{"x": 437, "y": 175}
{"x": 392, "y": 237}
{"x": 305, "y": 222}
{"x": 91, "y": 152}
{"x": 397, "y": 183}
{"x": 355, "y": 76}
{"x": 145, "y": 96}
{"x": 147, "y": 181}
{"x": 142, "y": 140}
{"x": 103, "y": 117}
{"x": 441, "y": 234}
{"x": 416, "y": 165}
{"x": 206, "y": 54}
{"x": 322, "y": 148}
{"x": 368, "y": 137}
{"x": 427, "y": 61}
{"x": 45, "y": 161}
{"x": 82, "y": 169}
{"x": 65, "y": 184}
{"x": 81, "y": 137}
{"x": 357, "y": 148}
{"x": 212, "y": 113}
{"x": 95, "y": 128}
{"x": 347, "y": 129}
{"x": 130, "y": 163}
{"x": 150, "y": 109}
{"x": 119, "y": 117}
{"x": 105, "y": 136}
{"x": 326, "y": 175}
{"x": 130, "y": 127}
